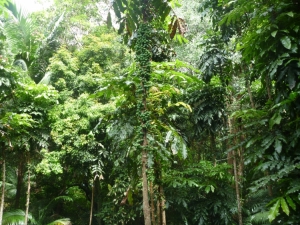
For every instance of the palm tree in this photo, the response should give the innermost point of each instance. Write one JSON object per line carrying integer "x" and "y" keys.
{"x": 25, "y": 48}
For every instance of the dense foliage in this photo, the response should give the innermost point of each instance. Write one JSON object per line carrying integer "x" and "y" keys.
{"x": 150, "y": 112}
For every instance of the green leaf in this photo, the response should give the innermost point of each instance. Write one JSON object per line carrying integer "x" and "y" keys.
{"x": 207, "y": 189}
{"x": 274, "y": 211}
{"x": 168, "y": 136}
{"x": 276, "y": 119}
{"x": 290, "y": 202}
{"x": 291, "y": 14}
{"x": 291, "y": 80}
{"x": 286, "y": 42}
{"x": 274, "y": 33}
{"x": 117, "y": 10}
{"x": 284, "y": 206}
{"x": 278, "y": 146}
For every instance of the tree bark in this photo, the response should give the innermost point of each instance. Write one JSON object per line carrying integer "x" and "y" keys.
{"x": 237, "y": 190}
{"x": 92, "y": 204}
{"x": 162, "y": 206}
{"x": 20, "y": 175}
{"x": 27, "y": 197}
{"x": 152, "y": 204}
{"x": 3, "y": 187}
{"x": 158, "y": 213}
{"x": 146, "y": 207}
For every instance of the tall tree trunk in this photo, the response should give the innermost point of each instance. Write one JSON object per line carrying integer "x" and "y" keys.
{"x": 20, "y": 176}
{"x": 3, "y": 186}
{"x": 27, "y": 197}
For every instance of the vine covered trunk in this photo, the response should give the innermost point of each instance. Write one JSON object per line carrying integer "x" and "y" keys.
{"x": 143, "y": 59}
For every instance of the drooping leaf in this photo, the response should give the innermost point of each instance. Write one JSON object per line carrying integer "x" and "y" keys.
{"x": 291, "y": 202}
{"x": 117, "y": 10}
{"x": 284, "y": 206}
{"x": 274, "y": 211}
{"x": 108, "y": 20}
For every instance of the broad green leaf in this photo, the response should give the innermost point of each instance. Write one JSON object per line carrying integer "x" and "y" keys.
{"x": 291, "y": 202}
{"x": 286, "y": 42}
{"x": 274, "y": 211}
{"x": 284, "y": 206}
{"x": 291, "y": 14}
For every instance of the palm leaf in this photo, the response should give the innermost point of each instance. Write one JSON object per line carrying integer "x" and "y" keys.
{"x": 16, "y": 217}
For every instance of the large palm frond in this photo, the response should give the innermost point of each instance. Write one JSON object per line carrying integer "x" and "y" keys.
{"x": 18, "y": 30}
{"x": 16, "y": 217}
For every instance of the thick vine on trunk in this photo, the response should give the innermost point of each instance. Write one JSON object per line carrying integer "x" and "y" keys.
{"x": 143, "y": 59}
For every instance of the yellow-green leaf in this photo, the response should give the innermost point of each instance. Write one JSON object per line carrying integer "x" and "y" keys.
{"x": 284, "y": 206}
{"x": 274, "y": 211}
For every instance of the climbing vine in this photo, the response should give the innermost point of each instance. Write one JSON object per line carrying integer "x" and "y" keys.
{"x": 143, "y": 60}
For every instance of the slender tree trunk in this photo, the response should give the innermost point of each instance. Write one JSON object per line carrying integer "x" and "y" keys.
{"x": 27, "y": 197}
{"x": 158, "y": 213}
{"x": 92, "y": 204}
{"x": 146, "y": 207}
{"x": 152, "y": 204}
{"x": 268, "y": 85}
{"x": 162, "y": 206}
{"x": 237, "y": 190}
{"x": 3, "y": 187}
{"x": 250, "y": 94}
